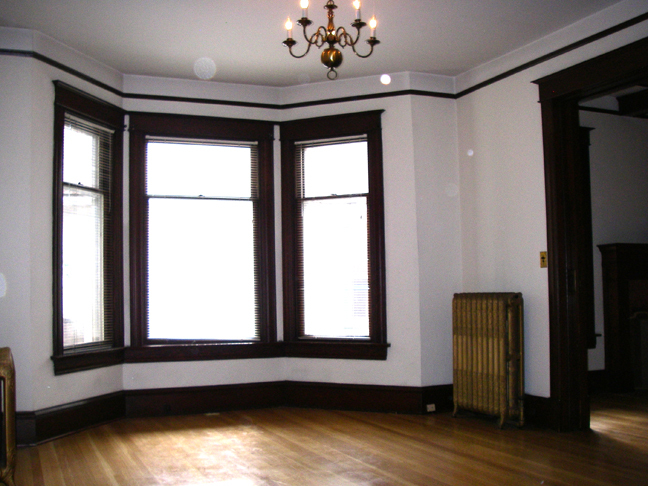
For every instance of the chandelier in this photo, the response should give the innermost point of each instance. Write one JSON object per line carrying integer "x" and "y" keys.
{"x": 331, "y": 56}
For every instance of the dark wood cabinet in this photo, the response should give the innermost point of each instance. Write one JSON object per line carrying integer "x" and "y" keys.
{"x": 625, "y": 293}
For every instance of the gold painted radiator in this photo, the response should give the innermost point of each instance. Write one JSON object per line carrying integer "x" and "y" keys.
{"x": 488, "y": 364}
{"x": 8, "y": 414}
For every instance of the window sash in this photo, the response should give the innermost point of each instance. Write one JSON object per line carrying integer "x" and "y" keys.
{"x": 334, "y": 168}
{"x": 334, "y": 268}
{"x": 332, "y": 238}
{"x": 210, "y": 293}
{"x": 83, "y": 269}
{"x": 87, "y": 278}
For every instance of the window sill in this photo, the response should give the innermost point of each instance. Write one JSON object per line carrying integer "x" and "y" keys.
{"x": 336, "y": 350}
{"x": 88, "y": 360}
{"x": 202, "y": 352}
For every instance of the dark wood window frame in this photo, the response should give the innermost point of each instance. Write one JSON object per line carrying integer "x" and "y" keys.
{"x": 201, "y": 128}
{"x": 331, "y": 127}
{"x": 71, "y": 101}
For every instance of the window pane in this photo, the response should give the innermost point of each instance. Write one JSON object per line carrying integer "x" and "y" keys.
{"x": 201, "y": 270}
{"x": 83, "y": 300}
{"x": 335, "y": 268}
{"x": 80, "y": 156}
{"x": 335, "y": 169}
{"x": 185, "y": 169}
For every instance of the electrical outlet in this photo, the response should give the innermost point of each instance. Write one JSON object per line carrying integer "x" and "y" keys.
{"x": 431, "y": 407}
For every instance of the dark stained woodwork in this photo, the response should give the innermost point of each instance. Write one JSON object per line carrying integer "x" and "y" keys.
{"x": 607, "y": 73}
{"x": 559, "y": 97}
{"x": 586, "y": 258}
{"x": 74, "y": 101}
{"x": 634, "y": 104}
{"x": 89, "y": 360}
{"x": 372, "y": 398}
{"x": 351, "y": 124}
{"x": 200, "y": 352}
{"x": 207, "y": 399}
{"x": 142, "y": 125}
{"x": 625, "y": 292}
{"x": 36, "y": 427}
{"x": 567, "y": 329}
{"x": 305, "y": 447}
{"x": 333, "y": 349}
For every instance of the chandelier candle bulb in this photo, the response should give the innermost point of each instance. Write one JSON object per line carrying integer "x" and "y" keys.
{"x": 304, "y": 7}
{"x": 356, "y": 5}
{"x": 373, "y": 23}
{"x": 289, "y": 28}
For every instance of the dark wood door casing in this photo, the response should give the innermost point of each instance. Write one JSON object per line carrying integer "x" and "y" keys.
{"x": 559, "y": 97}
{"x": 625, "y": 292}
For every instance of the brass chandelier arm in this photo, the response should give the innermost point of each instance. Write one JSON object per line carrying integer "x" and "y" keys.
{"x": 289, "y": 43}
{"x": 345, "y": 39}
{"x": 317, "y": 39}
{"x": 372, "y": 41}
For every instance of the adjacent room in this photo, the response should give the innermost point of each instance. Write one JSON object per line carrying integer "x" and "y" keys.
{"x": 235, "y": 238}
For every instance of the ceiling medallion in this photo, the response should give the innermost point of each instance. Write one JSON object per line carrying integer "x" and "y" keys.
{"x": 331, "y": 56}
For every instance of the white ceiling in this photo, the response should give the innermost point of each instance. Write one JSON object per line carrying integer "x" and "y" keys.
{"x": 244, "y": 37}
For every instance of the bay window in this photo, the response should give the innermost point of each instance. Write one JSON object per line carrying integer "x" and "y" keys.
{"x": 333, "y": 237}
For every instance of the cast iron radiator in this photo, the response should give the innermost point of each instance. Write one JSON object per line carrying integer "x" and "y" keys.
{"x": 8, "y": 414}
{"x": 488, "y": 365}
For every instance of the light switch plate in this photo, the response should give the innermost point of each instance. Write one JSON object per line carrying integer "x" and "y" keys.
{"x": 543, "y": 259}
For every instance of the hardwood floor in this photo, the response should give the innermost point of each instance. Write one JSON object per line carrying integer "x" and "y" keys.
{"x": 300, "y": 447}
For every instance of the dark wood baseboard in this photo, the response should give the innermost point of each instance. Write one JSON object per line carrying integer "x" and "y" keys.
{"x": 206, "y": 399}
{"x": 40, "y": 426}
{"x": 36, "y": 427}
{"x": 440, "y": 396}
{"x": 365, "y": 398}
{"x": 537, "y": 411}
{"x": 598, "y": 382}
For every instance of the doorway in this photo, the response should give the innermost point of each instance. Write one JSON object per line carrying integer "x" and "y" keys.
{"x": 568, "y": 219}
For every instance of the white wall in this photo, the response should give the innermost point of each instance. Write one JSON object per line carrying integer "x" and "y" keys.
{"x": 503, "y": 208}
{"x": 619, "y": 181}
{"x": 26, "y": 153}
{"x": 439, "y": 231}
{"x": 503, "y": 213}
{"x": 15, "y": 231}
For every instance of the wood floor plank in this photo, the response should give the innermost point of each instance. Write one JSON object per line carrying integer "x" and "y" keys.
{"x": 302, "y": 447}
